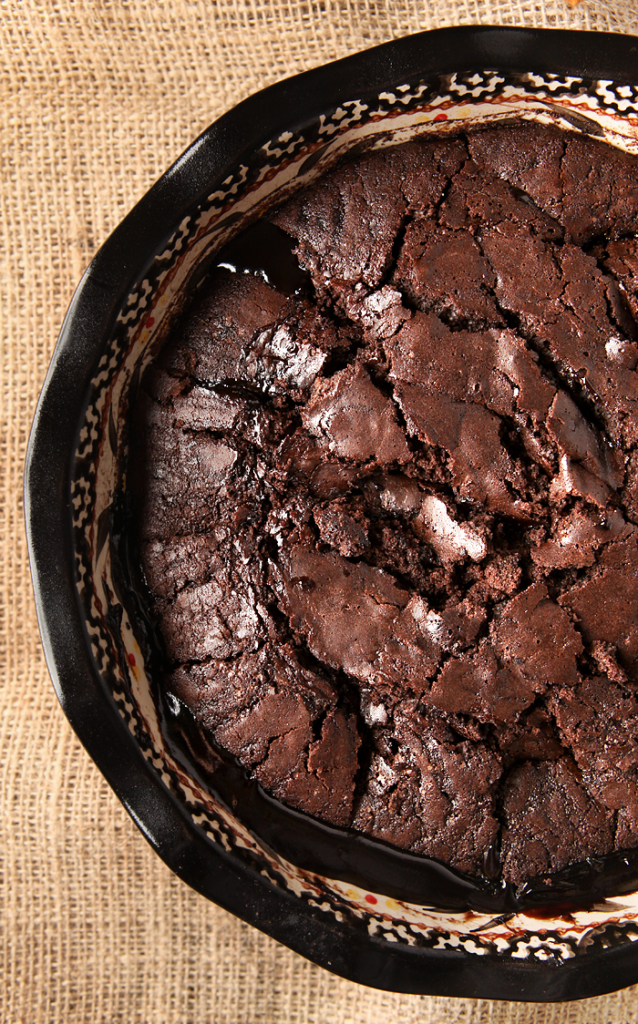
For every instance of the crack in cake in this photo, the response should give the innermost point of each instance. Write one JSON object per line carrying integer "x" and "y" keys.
{"x": 387, "y": 514}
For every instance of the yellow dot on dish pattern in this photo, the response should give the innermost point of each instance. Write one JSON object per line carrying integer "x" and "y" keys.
{"x": 352, "y": 894}
{"x": 392, "y": 904}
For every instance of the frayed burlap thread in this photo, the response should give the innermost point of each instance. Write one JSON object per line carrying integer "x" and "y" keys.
{"x": 97, "y": 98}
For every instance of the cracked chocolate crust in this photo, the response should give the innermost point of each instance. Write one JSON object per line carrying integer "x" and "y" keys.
{"x": 388, "y": 515}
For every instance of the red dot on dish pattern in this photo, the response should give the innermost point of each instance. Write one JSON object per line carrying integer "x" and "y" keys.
{"x": 370, "y": 899}
{"x": 131, "y": 660}
{"x": 151, "y": 319}
{"x": 440, "y": 117}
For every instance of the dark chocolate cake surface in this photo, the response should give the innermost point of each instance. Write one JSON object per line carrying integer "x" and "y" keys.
{"x": 389, "y": 521}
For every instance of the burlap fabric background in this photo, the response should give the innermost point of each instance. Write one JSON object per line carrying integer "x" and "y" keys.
{"x": 97, "y": 97}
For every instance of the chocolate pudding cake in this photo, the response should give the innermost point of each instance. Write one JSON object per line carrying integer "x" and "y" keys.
{"x": 386, "y": 500}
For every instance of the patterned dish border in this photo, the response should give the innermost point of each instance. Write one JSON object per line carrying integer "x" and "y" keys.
{"x": 595, "y": 107}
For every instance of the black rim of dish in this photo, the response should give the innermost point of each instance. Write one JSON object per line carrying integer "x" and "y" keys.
{"x": 84, "y": 698}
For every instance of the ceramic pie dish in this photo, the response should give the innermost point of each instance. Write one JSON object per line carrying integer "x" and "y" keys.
{"x": 91, "y": 626}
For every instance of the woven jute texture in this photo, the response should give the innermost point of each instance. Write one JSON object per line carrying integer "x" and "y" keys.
{"x": 97, "y": 97}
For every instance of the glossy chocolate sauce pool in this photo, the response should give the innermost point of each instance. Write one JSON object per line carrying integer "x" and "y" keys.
{"x": 344, "y": 854}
